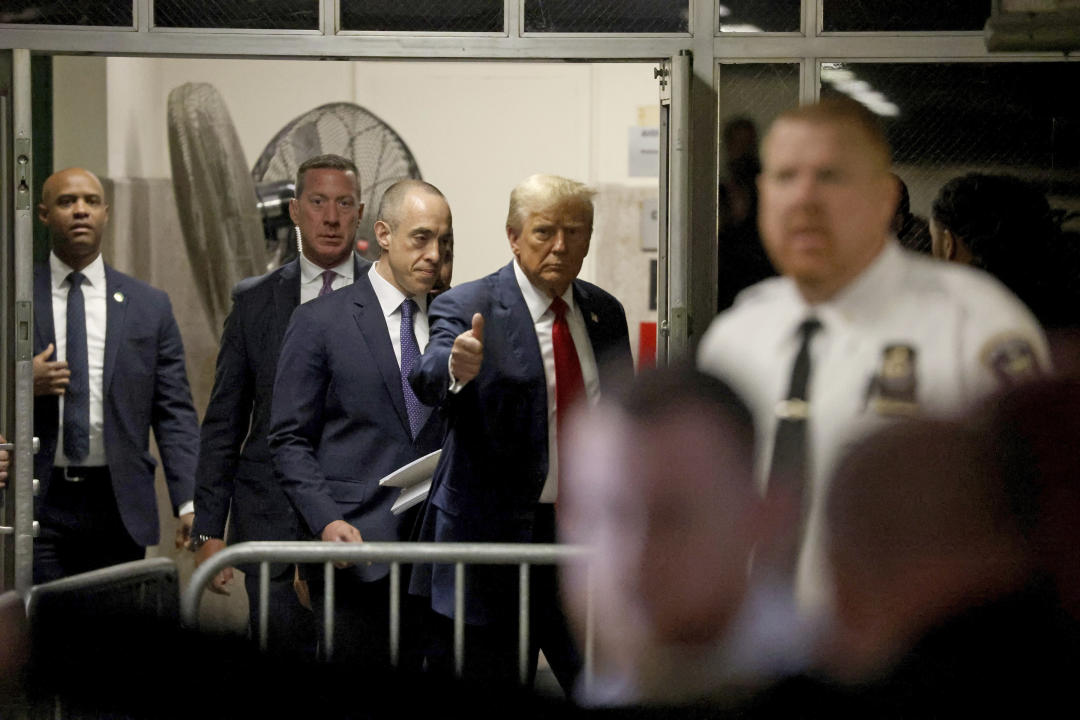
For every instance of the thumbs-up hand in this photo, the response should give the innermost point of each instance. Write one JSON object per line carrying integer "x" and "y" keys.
{"x": 467, "y": 355}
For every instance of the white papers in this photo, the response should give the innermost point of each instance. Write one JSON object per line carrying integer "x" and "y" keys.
{"x": 414, "y": 480}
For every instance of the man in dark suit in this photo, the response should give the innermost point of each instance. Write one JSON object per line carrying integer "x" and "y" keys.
{"x": 508, "y": 355}
{"x": 119, "y": 371}
{"x": 234, "y": 472}
{"x": 342, "y": 417}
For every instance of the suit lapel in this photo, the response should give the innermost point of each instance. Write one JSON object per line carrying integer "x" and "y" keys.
{"x": 369, "y": 318}
{"x": 513, "y": 314}
{"x": 593, "y": 325}
{"x": 44, "y": 333}
{"x": 116, "y": 304}
{"x": 286, "y": 295}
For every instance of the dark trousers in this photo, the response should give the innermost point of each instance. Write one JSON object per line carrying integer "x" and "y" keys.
{"x": 80, "y": 526}
{"x": 362, "y": 619}
{"x": 491, "y": 651}
{"x": 290, "y": 627}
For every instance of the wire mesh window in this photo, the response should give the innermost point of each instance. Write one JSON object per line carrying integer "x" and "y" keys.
{"x": 238, "y": 14}
{"x": 100, "y": 13}
{"x": 947, "y": 120}
{"x": 750, "y": 96}
{"x": 423, "y": 15}
{"x": 907, "y": 16}
{"x": 755, "y": 16}
{"x": 993, "y": 114}
{"x": 607, "y": 16}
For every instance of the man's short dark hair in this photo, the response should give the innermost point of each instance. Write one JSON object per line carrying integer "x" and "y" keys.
{"x": 326, "y": 162}
{"x": 660, "y": 392}
{"x": 1000, "y": 218}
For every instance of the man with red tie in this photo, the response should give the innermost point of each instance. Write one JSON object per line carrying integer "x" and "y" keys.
{"x": 509, "y": 353}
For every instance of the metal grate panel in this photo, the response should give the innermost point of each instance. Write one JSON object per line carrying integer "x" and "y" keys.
{"x": 423, "y": 15}
{"x": 98, "y": 13}
{"x": 907, "y": 16}
{"x": 607, "y": 16}
{"x": 996, "y": 114}
{"x": 237, "y": 14}
{"x": 952, "y": 119}
{"x": 754, "y": 16}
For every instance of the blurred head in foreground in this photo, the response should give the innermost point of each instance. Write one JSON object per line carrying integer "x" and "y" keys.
{"x": 919, "y": 529}
{"x": 659, "y": 483}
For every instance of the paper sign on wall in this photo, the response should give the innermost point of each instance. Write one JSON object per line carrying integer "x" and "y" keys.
{"x": 644, "y": 148}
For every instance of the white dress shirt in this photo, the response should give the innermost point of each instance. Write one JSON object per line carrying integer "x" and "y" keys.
{"x": 390, "y": 299}
{"x": 93, "y": 289}
{"x": 953, "y": 322}
{"x": 311, "y": 277}
{"x": 539, "y": 304}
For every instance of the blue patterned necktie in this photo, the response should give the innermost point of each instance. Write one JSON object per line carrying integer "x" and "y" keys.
{"x": 77, "y": 398}
{"x": 410, "y": 353}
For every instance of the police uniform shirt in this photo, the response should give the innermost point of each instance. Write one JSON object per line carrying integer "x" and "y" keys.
{"x": 910, "y": 336}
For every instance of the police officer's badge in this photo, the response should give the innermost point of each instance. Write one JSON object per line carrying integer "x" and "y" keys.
{"x": 892, "y": 391}
{"x": 1011, "y": 357}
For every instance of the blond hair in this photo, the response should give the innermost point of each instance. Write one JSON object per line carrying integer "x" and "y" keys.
{"x": 540, "y": 192}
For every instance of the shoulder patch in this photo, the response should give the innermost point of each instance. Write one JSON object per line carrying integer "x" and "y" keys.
{"x": 1011, "y": 357}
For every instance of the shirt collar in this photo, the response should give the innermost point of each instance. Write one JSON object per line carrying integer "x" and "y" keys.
{"x": 536, "y": 299}
{"x": 390, "y": 298}
{"x": 862, "y": 297}
{"x": 309, "y": 271}
{"x": 94, "y": 272}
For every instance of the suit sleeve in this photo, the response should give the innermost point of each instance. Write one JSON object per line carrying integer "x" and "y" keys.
{"x": 224, "y": 428}
{"x": 430, "y": 378}
{"x": 175, "y": 424}
{"x": 296, "y": 420}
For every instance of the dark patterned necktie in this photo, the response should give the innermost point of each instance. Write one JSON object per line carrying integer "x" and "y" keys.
{"x": 327, "y": 282}
{"x": 77, "y": 398}
{"x": 788, "y": 471}
{"x": 410, "y": 353}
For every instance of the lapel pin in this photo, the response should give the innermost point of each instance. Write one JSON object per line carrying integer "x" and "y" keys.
{"x": 594, "y": 317}
{"x": 118, "y": 296}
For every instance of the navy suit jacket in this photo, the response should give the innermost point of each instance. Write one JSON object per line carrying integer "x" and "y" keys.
{"x": 495, "y": 457}
{"x": 338, "y": 422}
{"x": 145, "y": 386}
{"x": 234, "y": 472}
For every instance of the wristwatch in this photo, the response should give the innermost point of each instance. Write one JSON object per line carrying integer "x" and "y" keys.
{"x": 197, "y": 541}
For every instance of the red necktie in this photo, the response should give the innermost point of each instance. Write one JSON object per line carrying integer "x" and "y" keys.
{"x": 569, "y": 384}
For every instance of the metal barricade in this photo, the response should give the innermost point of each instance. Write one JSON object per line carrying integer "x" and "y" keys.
{"x": 396, "y": 554}
{"x": 147, "y": 588}
{"x": 61, "y": 612}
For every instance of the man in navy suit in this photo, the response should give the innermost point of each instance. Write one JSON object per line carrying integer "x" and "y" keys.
{"x": 234, "y": 472}
{"x": 508, "y": 354}
{"x": 342, "y": 417}
{"x": 118, "y": 371}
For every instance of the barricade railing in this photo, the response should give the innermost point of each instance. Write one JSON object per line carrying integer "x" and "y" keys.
{"x": 395, "y": 554}
{"x": 149, "y": 588}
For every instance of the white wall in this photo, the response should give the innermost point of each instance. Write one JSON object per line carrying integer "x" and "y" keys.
{"x": 80, "y": 101}
{"x": 476, "y": 129}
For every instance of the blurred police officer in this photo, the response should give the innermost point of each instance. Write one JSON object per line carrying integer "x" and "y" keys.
{"x": 857, "y": 331}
